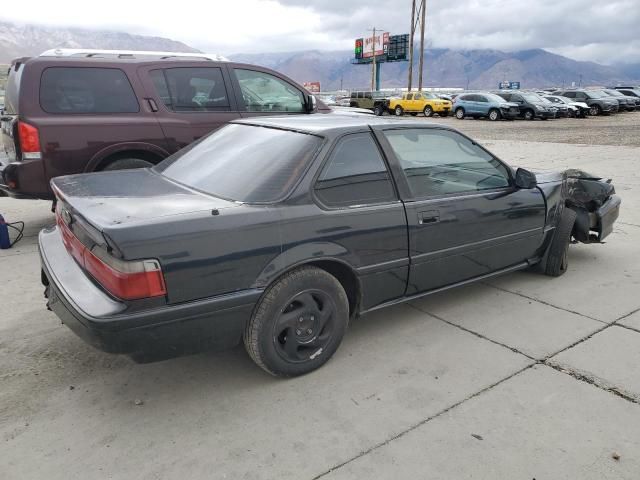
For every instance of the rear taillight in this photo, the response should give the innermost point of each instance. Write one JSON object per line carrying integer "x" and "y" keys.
{"x": 29, "y": 141}
{"x": 128, "y": 280}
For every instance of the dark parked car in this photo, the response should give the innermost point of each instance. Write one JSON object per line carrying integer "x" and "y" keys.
{"x": 631, "y": 92}
{"x": 599, "y": 103}
{"x": 73, "y": 111}
{"x": 531, "y": 105}
{"x": 625, "y": 102}
{"x": 486, "y": 105}
{"x": 279, "y": 230}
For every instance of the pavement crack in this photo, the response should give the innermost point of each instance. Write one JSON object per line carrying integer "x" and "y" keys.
{"x": 479, "y": 335}
{"x": 593, "y": 380}
{"x": 422, "y": 422}
{"x": 542, "y": 302}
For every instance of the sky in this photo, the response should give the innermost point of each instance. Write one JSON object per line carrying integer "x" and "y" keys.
{"x": 602, "y": 31}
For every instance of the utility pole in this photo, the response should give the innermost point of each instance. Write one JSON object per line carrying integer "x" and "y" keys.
{"x": 418, "y": 16}
{"x": 411, "y": 30}
{"x": 424, "y": 13}
{"x": 373, "y": 61}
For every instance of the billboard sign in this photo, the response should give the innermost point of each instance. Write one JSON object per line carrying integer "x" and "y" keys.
{"x": 377, "y": 45}
{"x": 313, "y": 87}
{"x": 509, "y": 85}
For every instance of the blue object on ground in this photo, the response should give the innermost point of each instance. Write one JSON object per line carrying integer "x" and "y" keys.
{"x": 5, "y": 241}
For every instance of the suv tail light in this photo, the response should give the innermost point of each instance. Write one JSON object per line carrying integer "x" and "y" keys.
{"x": 29, "y": 141}
{"x": 127, "y": 280}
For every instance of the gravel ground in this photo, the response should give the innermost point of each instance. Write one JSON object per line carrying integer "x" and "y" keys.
{"x": 621, "y": 129}
{"x": 521, "y": 376}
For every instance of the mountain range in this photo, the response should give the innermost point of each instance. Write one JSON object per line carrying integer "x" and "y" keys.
{"x": 333, "y": 69}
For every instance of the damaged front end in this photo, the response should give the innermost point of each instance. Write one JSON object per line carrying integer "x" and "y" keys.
{"x": 595, "y": 202}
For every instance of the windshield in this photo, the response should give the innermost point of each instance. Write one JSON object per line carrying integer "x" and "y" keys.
{"x": 532, "y": 97}
{"x": 613, "y": 93}
{"x": 243, "y": 163}
{"x": 596, "y": 94}
{"x": 494, "y": 98}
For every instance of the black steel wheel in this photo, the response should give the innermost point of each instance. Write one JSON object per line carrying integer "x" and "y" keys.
{"x": 378, "y": 110}
{"x": 299, "y": 323}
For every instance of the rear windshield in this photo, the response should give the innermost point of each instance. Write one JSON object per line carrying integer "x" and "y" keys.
{"x": 86, "y": 90}
{"x": 243, "y": 163}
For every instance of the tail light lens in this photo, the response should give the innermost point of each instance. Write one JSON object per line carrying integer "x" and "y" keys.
{"x": 29, "y": 140}
{"x": 128, "y": 280}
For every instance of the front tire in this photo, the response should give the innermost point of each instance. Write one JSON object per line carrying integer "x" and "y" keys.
{"x": 399, "y": 111}
{"x": 494, "y": 115}
{"x": 557, "y": 256}
{"x": 428, "y": 111}
{"x": 378, "y": 110}
{"x": 595, "y": 110}
{"x": 529, "y": 115}
{"x": 298, "y": 323}
{"x": 460, "y": 113}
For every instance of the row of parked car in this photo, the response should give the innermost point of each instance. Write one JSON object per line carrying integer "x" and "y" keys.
{"x": 504, "y": 104}
{"x": 546, "y": 104}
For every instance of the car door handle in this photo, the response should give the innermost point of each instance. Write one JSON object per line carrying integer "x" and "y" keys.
{"x": 152, "y": 104}
{"x": 428, "y": 217}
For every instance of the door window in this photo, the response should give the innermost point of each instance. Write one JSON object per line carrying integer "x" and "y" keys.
{"x": 187, "y": 89}
{"x": 410, "y": 96}
{"x": 263, "y": 92}
{"x": 355, "y": 174}
{"x": 74, "y": 90}
{"x": 417, "y": 96}
{"x": 440, "y": 162}
{"x": 481, "y": 99}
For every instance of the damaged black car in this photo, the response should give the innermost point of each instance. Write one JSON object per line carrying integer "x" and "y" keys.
{"x": 277, "y": 231}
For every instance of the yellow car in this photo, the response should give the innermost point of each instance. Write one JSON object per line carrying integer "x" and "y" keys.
{"x": 420, "y": 102}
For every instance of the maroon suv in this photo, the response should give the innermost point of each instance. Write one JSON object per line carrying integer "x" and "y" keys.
{"x": 71, "y": 112}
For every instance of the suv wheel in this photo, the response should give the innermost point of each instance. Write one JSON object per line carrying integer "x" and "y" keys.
{"x": 298, "y": 323}
{"x": 378, "y": 110}
{"x": 399, "y": 111}
{"x": 529, "y": 115}
{"x": 460, "y": 113}
{"x": 595, "y": 110}
{"x": 494, "y": 115}
{"x": 127, "y": 164}
{"x": 428, "y": 111}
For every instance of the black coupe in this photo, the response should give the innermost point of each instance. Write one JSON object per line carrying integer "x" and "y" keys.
{"x": 279, "y": 230}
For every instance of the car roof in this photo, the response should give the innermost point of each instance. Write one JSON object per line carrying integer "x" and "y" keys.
{"x": 328, "y": 123}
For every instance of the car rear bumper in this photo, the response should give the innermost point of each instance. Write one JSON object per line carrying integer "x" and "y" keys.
{"x": 24, "y": 180}
{"x": 158, "y": 333}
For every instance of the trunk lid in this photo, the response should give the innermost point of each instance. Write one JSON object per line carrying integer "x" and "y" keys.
{"x": 130, "y": 197}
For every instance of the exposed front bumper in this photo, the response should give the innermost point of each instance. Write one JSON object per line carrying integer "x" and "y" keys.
{"x": 606, "y": 216}
{"x": 111, "y": 326}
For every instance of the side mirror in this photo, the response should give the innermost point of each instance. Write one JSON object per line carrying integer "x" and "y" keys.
{"x": 310, "y": 103}
{"x": 525, "y": 179}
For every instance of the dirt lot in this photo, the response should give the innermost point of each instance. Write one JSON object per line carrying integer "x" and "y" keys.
{"x": 520, "y": 377}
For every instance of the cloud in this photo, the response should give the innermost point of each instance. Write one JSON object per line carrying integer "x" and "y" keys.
{"x": 584, "y": 29}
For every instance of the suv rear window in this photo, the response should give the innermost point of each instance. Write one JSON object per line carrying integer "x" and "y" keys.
{"x": 225, "y": 163}
{"x": 86, "y": 90}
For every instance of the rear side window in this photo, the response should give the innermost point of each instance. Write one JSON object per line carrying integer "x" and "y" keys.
{"x": 191, "y": 89}
{"x": 355, "y": 174}
{"x": 86, "y": 90}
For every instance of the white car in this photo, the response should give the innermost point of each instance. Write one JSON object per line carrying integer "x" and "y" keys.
{"x": 576, "y": 109}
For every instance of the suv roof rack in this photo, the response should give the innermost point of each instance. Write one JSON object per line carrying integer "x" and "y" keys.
{"x": 125, "y": 54}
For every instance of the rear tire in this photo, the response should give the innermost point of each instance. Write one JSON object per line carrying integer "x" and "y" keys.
{"x": 460, "y": 113}
{"x": 557, "y": 255}
{"x": 127, "y": 164}
{"x": 428, "y": 111}
{"x": 298, "y": 323}
{"x": 399, "y": 111}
